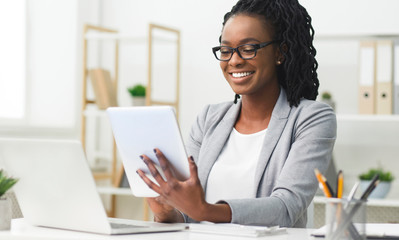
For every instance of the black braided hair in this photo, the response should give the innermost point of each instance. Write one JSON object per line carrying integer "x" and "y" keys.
{"x": 292, "y": 26}
{"x": 236, "y": 97}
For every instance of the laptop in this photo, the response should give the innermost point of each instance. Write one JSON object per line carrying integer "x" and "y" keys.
{"x": 56, "y": 188}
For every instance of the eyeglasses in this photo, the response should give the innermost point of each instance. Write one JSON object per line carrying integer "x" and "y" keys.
{"x": 245, "y": 51}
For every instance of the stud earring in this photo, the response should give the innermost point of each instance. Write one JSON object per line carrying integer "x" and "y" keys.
{"x": 278, "y": 62}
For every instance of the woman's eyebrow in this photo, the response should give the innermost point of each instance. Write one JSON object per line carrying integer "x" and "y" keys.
{"x": 242, "y": 41}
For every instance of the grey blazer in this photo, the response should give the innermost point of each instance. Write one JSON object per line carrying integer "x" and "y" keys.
{"x": 298, "y": 140}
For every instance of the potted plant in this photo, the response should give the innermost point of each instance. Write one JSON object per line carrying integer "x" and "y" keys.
{"x": 5, "y": 205}
{"x": 138, "y": 94}
{"x": 327, "y": 98}
{"x": 383, "y": 187}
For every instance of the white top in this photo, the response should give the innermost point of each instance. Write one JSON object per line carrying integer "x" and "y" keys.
{"x": 232, "y": 175}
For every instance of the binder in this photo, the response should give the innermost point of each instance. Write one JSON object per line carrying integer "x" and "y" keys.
{"x": 367, "y": 77}
{"x": 396, "y": 78}
{"x": 103, "y": 88}
{"x": 384, "y": 78}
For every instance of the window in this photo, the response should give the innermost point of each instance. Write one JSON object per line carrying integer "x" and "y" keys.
{"x": 12, "y": 59}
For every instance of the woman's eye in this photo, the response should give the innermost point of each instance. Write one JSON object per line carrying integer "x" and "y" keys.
{"x": 248, "y": 49}
{"x": 225, "y": 51}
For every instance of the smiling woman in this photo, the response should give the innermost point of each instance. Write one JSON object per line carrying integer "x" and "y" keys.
{"x": 252, "y": 161}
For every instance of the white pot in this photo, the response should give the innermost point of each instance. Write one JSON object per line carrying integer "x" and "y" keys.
{"x": 5, "y": 214}
{"x": 138, "y": 101}
{"x": 380, "y": 191}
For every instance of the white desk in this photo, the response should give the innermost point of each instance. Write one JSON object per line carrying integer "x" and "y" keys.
{"x": 22, "y": 231}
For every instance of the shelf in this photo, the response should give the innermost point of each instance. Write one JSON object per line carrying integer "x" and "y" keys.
{"x": 114, "y": 191}
{"x": 124, "y": 38}
{"x": 370, "y": 202}
{"x": 359, "y": 117}
{"x": 94, "y": 113}
{"x": 356, "y": 37}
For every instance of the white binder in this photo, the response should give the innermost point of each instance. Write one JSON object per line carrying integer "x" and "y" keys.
{"x": 384, "y": 79}
{"x": 367, "y": 77}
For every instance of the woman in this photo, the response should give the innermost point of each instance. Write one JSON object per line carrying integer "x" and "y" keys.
{"x": 252, "y": 161}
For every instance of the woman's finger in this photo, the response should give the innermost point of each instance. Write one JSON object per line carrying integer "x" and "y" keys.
{"x": 165, "y": 166}
{"x": 153, "y": 170}
{"x": 149, "y": 183}
{"x": 193, "y": 168}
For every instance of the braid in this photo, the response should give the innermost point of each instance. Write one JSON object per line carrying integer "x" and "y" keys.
{"x": 293, "y": 28}
{"x": 236, "y": 97}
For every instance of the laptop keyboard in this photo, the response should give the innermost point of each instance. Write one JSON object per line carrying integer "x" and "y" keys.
{"x": 123, "y": 225}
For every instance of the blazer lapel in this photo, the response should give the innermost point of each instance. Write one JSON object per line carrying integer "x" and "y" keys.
{"x": 214, "y": 145}
{"x": 276, "y": 126}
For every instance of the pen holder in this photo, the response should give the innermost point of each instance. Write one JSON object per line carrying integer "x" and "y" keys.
{"x": 345, "y": 219}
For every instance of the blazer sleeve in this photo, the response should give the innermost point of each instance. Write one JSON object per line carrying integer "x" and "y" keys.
{"x": 313, "y": 133}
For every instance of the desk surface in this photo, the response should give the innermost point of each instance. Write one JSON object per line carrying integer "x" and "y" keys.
{"x": 21, "y": 231}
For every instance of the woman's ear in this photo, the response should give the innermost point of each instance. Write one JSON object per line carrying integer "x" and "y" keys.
{"x": 280, "y": 53}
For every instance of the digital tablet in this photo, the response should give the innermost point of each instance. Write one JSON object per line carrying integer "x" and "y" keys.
{"x": 137, "y": 131}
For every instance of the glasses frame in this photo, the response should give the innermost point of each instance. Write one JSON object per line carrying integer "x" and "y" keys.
{"x": 255, "y": 45}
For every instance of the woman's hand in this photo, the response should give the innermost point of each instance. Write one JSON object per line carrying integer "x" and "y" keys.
{"x": 186, "y": 196}
{"x": 164, "y": 212}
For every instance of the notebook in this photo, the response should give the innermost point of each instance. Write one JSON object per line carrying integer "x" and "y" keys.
{"x": 137, "y": 131}
{"x": 56, "y": 188}
{"x": 235, "y": 229}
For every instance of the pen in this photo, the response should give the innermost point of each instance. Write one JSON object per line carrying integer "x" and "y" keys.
{"x": 374, "y": 182}
{"x": 340, "y": 184}
{"x": 353, "y": 191}
{"x": 326, "y": 187}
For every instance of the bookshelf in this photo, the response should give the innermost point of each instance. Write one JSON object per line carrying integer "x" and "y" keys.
{"x": 94, "y": 107}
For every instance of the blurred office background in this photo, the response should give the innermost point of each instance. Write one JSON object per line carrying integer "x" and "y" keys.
{"x": 41, "y": 67}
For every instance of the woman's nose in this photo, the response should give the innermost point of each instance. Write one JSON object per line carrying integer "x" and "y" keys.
{"x": 236, "y": 59}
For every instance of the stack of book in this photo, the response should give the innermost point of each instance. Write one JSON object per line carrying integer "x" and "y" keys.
{"x": 103, "y": 87}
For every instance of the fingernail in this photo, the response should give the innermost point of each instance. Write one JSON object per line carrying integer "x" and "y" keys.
{"x": 141, "y": 156}
{"x": 155, "y": 151}
{"x": 191, "y": 158}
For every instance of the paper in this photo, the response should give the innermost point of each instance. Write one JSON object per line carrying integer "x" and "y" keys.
{"x": 234, "y": 229}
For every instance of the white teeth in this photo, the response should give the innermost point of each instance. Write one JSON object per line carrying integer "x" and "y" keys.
{"x": 241, "y": 74}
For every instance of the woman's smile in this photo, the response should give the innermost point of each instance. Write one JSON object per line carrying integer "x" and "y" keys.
{"x": 240, "y": 77}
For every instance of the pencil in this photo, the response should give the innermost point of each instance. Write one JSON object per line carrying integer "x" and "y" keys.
{"x": 326, "y": 187}
{"x": 340, "y": 184}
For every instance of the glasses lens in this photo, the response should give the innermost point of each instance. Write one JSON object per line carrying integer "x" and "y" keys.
{"x": 224, "y": 53}
{"x": 247, "y": 51}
